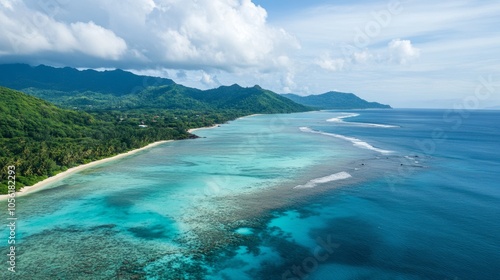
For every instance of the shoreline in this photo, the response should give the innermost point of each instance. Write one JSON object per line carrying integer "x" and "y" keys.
{"x": 252, "y": 115}
{"x": 191, "y": 130}
{"x": 40, "y": 185}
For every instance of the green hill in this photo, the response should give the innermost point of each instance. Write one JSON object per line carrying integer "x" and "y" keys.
{"x": 117, "y": 111}
{"x": 120, "y": 90}
{"x": 252, "y": 100}
{"x": 42, "y": 140}
{"x": 235, "y": 98}
{"x": 335, "y": 100}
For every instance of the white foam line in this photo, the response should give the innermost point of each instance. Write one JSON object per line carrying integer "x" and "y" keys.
{"x": 307, "y": 129}
{"x": 339, "y": 119}
{"x": 355, "y": 141}
{"x": 374, "y": 125}
{"x": 346, "y": 115}
{"x": 330, "y": 178}
{"x": 359, "y": 143}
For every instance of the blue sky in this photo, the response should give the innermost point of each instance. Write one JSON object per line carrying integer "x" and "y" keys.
{"x": 406, "y": 53}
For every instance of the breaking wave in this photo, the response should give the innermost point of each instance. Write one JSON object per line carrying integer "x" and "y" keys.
{"x": 355, "y": 141}
{"x": 330, "y": 178}
{"x": 340, "y": 119}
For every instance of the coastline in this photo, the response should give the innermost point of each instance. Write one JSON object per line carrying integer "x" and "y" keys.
{"x": 191, "y": 130}
{"x": 40, "y": 185}
{"x": 252, "y": 115}
{"x": 218, "y": 125}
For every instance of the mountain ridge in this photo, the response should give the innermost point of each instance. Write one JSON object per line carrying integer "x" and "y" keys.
{"x": 118, "y": 89}
{"x": 116, "y": 111}
{"x": 20, "y": 76}
{"x": 335, "y": 100}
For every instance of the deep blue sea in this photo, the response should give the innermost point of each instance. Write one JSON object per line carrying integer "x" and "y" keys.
{"x": 357, "y": 194}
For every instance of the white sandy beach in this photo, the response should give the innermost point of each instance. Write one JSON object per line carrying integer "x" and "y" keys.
{"x": 40, "y": 185}
{"x": 249, "y": 116}
{"x": 217, "y": 125}
{"x": 201, "y": 128}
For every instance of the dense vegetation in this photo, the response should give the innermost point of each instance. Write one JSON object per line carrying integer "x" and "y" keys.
{"x": 42, "y": 140}
{"x": 100, "y": 114}
{"x": 244, "y": 100}
{"x": 335, "y": 100}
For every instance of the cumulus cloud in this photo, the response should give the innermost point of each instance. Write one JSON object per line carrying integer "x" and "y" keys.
{"x": 288, "y": 83}
{"x": 402, "y": 51}
{"x": 26, "y": 31}
{"x": 397, "y": 52}
{"x": 218, "y": 33}
{"x": 97, "y": 41}
{"x": 362, "y": 57}
{"x": 188, "y": 34}
{"x": 209, "y": 80}
{"x": 331, "y": 64}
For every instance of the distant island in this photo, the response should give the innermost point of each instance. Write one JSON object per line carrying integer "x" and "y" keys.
{"x": 53, "y": 119}
{"x": 335, "y": 100}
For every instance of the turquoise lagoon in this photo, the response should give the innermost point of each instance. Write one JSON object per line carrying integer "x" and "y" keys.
{"x": 370, "y": 194}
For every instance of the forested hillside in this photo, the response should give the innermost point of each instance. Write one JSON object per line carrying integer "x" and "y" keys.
{"x": 42, "y": 140}
{"x": 100, "y": 114}
{"x": 119, "y": 90}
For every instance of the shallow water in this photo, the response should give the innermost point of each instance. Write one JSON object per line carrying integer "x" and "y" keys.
{"x": 383, "y": 199}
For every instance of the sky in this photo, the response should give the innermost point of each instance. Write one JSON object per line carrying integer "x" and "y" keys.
{"x": 409, "y": 54}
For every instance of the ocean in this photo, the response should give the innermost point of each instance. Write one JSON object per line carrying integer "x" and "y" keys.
{"x": 356, "y": 194}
